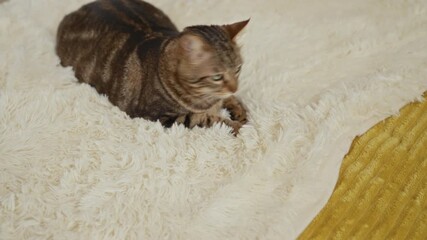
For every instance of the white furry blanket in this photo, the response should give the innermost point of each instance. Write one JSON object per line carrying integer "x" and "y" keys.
{"x": 317, "y": 73}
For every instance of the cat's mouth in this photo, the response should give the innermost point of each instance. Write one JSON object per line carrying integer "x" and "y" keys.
{"x": 223, "y": 95}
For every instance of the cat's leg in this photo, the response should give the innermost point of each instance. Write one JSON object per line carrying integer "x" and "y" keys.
{"x": 168, "y": 121}
{"x": 207, "y": 120}
{"x": 236, "y": 108}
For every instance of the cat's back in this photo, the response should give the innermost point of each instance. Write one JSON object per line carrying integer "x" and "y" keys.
{"x": 104, "y": 39}
{"x": 106, "y": 25}
{"x": 122, "y": 15}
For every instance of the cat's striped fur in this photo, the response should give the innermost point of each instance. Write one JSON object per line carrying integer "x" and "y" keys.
{"x": 133, "y": 53}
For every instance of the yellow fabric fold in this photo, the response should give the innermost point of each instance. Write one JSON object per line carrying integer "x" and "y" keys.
{"x": 382, "y": 187}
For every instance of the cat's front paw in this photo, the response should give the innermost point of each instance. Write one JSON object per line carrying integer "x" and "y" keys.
{"x": 235, "y": 125}
{"x": 236, "y": 109}
{"x": 239, "y": 115}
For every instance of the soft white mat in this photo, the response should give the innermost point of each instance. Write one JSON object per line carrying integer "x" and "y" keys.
{"x": 317, "y": 73}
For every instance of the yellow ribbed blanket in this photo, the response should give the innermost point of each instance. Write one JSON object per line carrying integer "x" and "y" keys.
{"x": 382, "y": 187}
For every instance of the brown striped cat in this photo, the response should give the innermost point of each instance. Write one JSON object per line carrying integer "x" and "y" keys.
{"x": 133, "y": 53}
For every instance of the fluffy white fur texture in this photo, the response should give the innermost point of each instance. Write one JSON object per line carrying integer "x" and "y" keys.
{"x": 317, "y": 73}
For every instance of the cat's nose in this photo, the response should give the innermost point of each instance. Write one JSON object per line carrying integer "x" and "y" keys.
{"x": 232, "y": 85}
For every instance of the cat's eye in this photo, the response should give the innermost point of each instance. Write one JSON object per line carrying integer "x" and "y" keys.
{"x": 217, "y": 77}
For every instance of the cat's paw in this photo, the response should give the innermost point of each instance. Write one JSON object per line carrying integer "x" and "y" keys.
{"x": 239, "y": 115}
{"x": 236, "y": 109}
{"x": 235, "y": 125}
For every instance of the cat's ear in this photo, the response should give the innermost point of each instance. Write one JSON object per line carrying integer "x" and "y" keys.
{"x": 194, "y": 48}
{"x": 234, "y": 28}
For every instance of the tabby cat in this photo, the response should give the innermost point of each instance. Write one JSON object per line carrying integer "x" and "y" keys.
{"x": 131, "y": 51}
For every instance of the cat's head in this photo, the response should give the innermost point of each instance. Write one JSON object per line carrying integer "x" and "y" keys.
{"x": 210, "y": 61}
